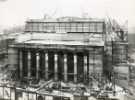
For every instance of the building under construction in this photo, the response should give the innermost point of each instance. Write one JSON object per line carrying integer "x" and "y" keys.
{"x": 69, "y": 49}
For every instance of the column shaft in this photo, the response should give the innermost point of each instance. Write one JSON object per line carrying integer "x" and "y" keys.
{"x": 75, "y": 68}
{"x": 90, "y": 63}
{"x": 37, "y": 65}
{"x": 46, "y": 66}
{"x": 65, "y": 67}
{"x": 85, "y": 68}
{"x": 56, "y": 67}
{"x": 21, "y": 64}
{"x": 29, "y": 64}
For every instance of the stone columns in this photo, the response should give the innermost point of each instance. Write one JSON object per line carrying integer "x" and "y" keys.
{"x": 91, "y": 64}
{"x": 37, "y": 65}
{"x": 75, "y": 68}
{"x": 46, "y": 66}
{"x": 85, "y": 67}
{"x": 65, "y": 67}
{"x": 29, "y": 64}
{"x": 56, "y": 67}
{"x": 21, "y": 64}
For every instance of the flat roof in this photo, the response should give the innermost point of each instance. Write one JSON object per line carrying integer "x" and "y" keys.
{"x": 66, "y": 19}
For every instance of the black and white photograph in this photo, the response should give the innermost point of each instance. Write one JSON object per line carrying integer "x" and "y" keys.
{"x": 67, "y": 49}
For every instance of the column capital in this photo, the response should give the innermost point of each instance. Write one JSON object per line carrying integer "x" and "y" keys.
{"x": 85, "y": 59}
{"x": 46, "y": 56}
{"x": 55, "y": 56}
{"x": 29, "y": 54}
{"x": 75, "y": 58}
{"x": 65, "y": 57}
{"x": 37, "y": 53}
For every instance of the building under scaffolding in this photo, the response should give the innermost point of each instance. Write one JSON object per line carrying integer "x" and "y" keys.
{"x": 68, "y": 49}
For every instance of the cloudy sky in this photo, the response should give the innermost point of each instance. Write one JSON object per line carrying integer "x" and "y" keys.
{"x": 15, "y": 12}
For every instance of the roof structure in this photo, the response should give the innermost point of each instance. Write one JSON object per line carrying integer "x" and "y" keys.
{"x": 72, "y": 39}
{"x": 66, "y": 19}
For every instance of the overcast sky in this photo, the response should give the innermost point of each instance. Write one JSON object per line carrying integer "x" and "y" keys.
{"x": 15, "y": 12}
